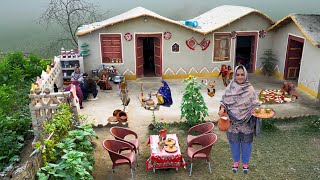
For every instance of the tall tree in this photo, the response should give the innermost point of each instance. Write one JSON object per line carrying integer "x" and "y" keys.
{"x": 70, "y": 15}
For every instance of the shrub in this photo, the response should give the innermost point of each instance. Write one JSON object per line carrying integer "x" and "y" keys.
{"x": 313, "y": 123}
{"x": 193, "y": 107}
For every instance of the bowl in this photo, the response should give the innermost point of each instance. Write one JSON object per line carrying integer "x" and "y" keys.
{"x": 257, "y": 110}
{"x": 268, "y": 110}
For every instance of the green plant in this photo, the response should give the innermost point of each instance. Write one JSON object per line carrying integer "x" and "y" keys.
{"x": 269, "y": 125}
{"x": 269, "y": 62}
{"x": 313, "y": 123}
{"x": 193, "y": 107}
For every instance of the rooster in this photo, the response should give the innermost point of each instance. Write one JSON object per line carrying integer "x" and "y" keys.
{"x": 212, "y": 93}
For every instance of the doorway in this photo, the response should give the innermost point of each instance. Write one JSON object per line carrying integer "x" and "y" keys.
{"x": 148, "y": 55}
{"x": 246, "y": 51}
{"x": 293, "y": 57}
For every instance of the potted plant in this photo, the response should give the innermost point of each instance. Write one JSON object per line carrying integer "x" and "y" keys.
{"x": 269, "y": 62}
{"x": 193, "y": 107}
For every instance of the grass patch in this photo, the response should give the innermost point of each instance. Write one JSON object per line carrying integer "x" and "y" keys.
{"x": 281, "y": 153}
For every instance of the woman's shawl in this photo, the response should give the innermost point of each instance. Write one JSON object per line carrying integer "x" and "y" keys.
{"x": 240, "y": 99}
{"x": 166, "y": 94}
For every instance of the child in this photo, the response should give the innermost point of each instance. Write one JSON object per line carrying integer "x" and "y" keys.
{"x": 224, "y": 74}
{"x": 230, "y": 75}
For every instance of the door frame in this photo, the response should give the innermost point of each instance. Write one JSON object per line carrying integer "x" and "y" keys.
{"x": 155, "y": 35}
{"x": 255, "y": 47}
{"x": 295, "y": 38}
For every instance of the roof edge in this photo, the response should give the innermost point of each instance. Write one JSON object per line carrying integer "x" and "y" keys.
{"x": 297, "y": 24}
{"x": 254, "y": 11}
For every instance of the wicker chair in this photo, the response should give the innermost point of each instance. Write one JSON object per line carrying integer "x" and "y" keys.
{"x": 114, "y": 147}
{"x": 120, "y": 133}
{"x": 206, "y": 141}
{"x": 200, "y": 129}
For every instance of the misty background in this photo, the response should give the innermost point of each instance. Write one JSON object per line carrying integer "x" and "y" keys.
{"x": 19, "y": 29}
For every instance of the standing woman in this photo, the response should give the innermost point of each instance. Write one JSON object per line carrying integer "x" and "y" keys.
{"x": 238, "y": 101}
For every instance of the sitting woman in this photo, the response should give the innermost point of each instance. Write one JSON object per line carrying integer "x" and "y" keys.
{"x": 164, "y": 94}
{"x": 103, "y": 81}
{"x": 289, "y": 89}
{"x": 77, "y": 75}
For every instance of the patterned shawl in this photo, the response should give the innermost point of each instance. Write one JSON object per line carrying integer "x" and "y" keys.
{"x": 240, "y": 99}
{"x": 166, "y": 94}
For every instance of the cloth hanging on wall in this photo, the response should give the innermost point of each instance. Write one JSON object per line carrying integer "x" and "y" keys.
{"x": 204, "y": 44}
{"x": 191, "y": 43}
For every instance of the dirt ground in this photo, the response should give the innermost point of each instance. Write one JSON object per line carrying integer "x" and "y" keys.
{"x": 138, "y": 118}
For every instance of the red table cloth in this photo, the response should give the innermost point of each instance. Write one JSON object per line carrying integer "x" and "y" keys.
{"x": 162, "y": 159}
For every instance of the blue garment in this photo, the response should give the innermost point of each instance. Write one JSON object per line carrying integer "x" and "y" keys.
{"x": 246, "y": 149}
{"x": 166, "y": 94}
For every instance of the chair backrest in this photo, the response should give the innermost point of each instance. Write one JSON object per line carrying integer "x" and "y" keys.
{"x": 206, "y": 141}
{"x": 120, "y": 132}
{"x": 114, "y": 146}
{"x": 203, "y": 128}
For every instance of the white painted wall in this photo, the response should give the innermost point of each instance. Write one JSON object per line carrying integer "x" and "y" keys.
{"x": 310, "y": 61}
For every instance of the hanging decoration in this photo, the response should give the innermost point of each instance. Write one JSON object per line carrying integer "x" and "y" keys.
{"x": 204, "y": 44}
{"x": 233, "y": 34}
{"x": 167, "y": 35}
{"x": 128, "y": 36}
{"x": 191, "y": 43}
{"x": 262, "y": 34}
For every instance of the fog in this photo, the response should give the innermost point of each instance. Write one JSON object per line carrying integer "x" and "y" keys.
{"x": 20, "y": 31}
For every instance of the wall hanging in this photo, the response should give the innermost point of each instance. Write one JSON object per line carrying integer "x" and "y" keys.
{"x": 167, "y": 35}
{"x": 262, "y": 34}
{"x": 233, "y": 34}
{"x": 204, "y": 44}
{"x": 128, "y": 36}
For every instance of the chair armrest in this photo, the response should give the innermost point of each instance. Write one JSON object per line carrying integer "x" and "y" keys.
{"x": 132, "y": 133}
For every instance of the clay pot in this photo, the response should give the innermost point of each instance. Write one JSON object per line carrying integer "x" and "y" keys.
{"x": 115, "y": 112}
{"x": 47, "y": 91}
{"x": 37, "y": 91}
{"x": 122, "y": 116}
{"x": 163, "y": 133}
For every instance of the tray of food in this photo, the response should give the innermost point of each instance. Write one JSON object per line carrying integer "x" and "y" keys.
{"x": 171, "y": 148}
{"x": 263, "y": 112}
{"x": 169, "y": 141}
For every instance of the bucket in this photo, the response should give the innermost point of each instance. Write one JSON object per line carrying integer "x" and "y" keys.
{"x": 122, "y": 116}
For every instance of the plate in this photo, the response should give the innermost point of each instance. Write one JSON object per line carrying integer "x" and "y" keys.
{"x": 169, "y": 142}
{"x": 171, "y": 149}
{"x": 263, "y": 114}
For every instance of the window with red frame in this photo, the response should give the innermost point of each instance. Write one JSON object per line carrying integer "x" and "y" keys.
{"x": 111, "y": 51}
{"x": 221, "y": 47}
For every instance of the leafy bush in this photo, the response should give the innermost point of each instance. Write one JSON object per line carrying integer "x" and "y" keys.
{"x": 269, "y": 125}
{"x": 269, "y": 62}
{"x": 16, "y": 75}
{"x": 193, "y": 107}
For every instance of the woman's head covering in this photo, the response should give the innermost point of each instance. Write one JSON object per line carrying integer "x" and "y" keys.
{"x": 166, "y": 93}
{"x": 240, "y": 99}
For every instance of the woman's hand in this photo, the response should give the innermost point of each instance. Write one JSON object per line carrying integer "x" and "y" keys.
{"x": 221, "y": 111}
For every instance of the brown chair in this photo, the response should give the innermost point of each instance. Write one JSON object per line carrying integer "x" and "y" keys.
{"x": 206, "y": 141}
{"x": 200, "y": 129}
{"x": 114, "y": 147}
{"x": 120, "y": 133}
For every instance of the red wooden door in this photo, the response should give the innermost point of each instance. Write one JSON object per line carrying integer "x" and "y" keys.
{"x": 293, "y": 60}
{"x": 157, "y": 56}
{"x": 139, "y": 56}
{"x": 252, "y": 54}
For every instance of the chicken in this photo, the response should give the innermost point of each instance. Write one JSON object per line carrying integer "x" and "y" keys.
{"x": 211, "y": 93}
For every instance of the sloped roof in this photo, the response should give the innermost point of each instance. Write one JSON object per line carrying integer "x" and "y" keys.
{"x": 223, "y": 15}
{"x": 309, "y": 25}
{"x": 210, "y": 21}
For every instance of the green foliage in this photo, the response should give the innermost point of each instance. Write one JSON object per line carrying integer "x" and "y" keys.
{"x": 193, "y": 107}
{"x": 269, "y": 125}
{"x": 313, "y": 123}
{"x": 269, "y": 62}
{"x": 16, "y": 75}
{"x": 74, "y": 156}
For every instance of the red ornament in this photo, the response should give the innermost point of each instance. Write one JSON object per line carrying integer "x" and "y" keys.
{"x": 204, "y": 44}
{"x": 167, "y": 35}
{"x": 262, "y": 34}
{"x": 128, "y": 36}
{"x": 191, "y": 43}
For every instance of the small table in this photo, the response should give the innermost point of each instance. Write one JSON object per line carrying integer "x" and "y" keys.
{"x": 160, "y": 159}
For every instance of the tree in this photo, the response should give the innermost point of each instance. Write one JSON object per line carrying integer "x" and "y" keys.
{"x": 193, "y": 107}
{"x": 269, "y": 62}
{"x": 70, "y": 15}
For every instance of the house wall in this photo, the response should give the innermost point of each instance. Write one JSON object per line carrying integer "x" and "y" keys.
{"x": 251, "y": 23}
{"x": 308, "y": 78}
{"x": 174, "y": 65}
